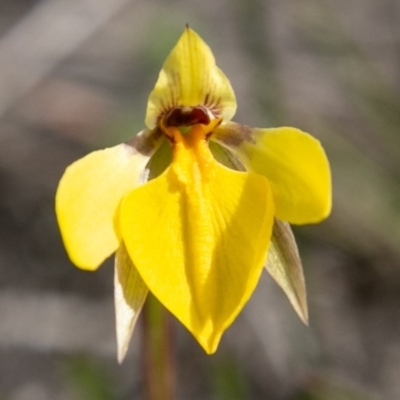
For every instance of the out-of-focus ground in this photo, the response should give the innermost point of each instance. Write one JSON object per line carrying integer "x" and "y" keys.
{"x": 75, "y": 76}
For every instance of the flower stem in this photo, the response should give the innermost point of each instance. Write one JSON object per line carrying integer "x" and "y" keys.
{"x": 159, "y": 366}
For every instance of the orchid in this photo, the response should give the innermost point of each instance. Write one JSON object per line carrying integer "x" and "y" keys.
{"x": 195, "y": 206}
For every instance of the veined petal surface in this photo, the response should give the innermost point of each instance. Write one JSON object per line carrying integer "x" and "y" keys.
{"x": 190, "y": 77}
{"x": 284, "y": 265}
{"x": 89, "y": 194}
{"x": 130, "y": 293}
{"x": 201, "y": 245}
{"x": 294, "y": 163}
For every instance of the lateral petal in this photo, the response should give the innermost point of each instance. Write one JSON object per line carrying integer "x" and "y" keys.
{"x": 293, "y": 161}
{"x": 130, "y": 293}
{"x": 89, "y": 194}
{"x": 201, "y": 245}
{"x": 284, "y": 265}
{"x": 190, "y": 77}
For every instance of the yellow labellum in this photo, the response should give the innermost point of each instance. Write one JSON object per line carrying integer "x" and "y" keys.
{"x": 202, "y": 244}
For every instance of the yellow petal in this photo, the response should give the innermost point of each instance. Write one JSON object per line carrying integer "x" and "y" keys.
{"x": 130, "y": 292}
{"x": 294, "y": 163}
{"x": 189, "y": 77}
{"x": 202, "y": 241}
{"x": 89, "y": 194}
{"x": 284, "y": 265}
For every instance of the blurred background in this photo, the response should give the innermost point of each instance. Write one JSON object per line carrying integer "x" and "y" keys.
{"x": 75, "y": 76}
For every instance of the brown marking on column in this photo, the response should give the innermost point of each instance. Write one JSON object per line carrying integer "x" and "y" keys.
{"x": 187, "y": 116}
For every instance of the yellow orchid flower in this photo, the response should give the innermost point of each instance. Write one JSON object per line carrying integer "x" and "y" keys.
{"x": 198, "y": 234}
